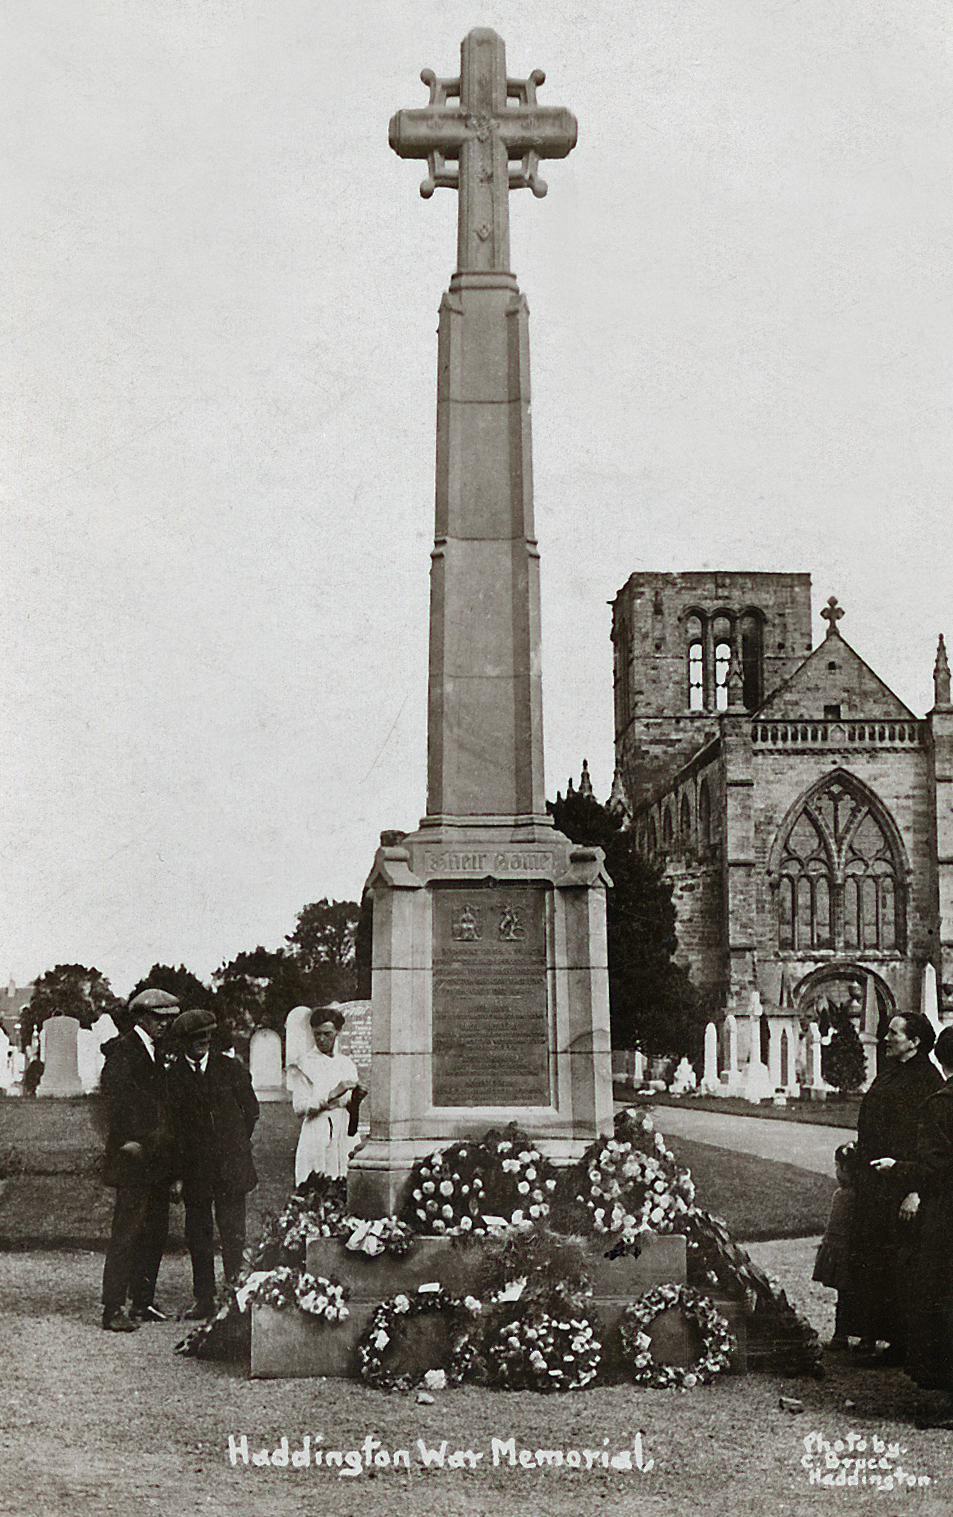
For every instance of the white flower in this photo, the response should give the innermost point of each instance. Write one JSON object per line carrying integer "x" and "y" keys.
{"x": 550, "y": 1184}
{"x": 465, "y": 1224}
{"x": 523, "y": 1188}
{"x": 401, "y": 1303}
{"x": 381, "y": 1340}
{"x": 446, "y": 1187}
{"x": 427, "y": 1187}
{"x": 372, "y": 1245}
{"x": 472, "y": 1304}
{"x": 447, "y": 1211}
{"x": 517, "y": 1218}
{"x": 436, "y": 1380}
{"x": 417, "y": 1195}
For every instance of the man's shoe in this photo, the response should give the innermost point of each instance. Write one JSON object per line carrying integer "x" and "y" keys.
{"x": 200, "y": 1312}
{"x": 116, "y": 1321}
{"x": 148, "y": 1313}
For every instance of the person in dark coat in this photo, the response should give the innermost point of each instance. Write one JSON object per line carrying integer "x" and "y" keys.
{"x": 930, "y": 1341}
{"x": 885, "y": 1202}
{"x": 215, "y": 1110}
{"x": 138, "y": 1163}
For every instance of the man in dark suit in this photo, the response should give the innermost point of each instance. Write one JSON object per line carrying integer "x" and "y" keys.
{"x": 214, "y": 1112}
{"x": 138, "y": 1163}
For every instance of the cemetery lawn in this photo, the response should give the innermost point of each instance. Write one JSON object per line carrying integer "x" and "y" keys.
{"x": 120, "y": 1425}
{"x": 59, "y": 1201}
{"x": 839, "y": 1111}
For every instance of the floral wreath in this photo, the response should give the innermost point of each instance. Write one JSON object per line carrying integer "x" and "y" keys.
{"x": 386, "y": 1327}
{"x": 545, "y": 1343}
{"x": 284, "y": 1286}
{"x": 718, "y": 1344}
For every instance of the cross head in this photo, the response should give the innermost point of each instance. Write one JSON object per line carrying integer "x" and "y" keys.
{"x": 832, "y": 614}
{"x": 469, "y": 146}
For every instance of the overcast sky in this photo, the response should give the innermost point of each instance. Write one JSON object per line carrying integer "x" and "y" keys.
{"x": 219, "y": 357}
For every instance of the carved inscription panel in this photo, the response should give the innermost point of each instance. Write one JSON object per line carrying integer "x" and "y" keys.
{"x": 490, "y": 1020}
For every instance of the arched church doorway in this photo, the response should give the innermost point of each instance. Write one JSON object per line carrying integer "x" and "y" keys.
{"x": 838, "y": 988}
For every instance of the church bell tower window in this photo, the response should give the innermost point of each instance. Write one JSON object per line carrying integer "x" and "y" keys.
{"x": 722, "y": 665}
{"x": 696, "y": 677}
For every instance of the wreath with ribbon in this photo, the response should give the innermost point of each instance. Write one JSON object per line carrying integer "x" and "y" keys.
{"x": 718, "y": 1343}
{"x": 543, "y": 1343}
{"x": 388, "y": 1325}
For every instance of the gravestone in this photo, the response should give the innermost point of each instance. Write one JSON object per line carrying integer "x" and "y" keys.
{"x": 264, "y": 1060}
{"x": 489, "y": 984}
{"x": 6, "y": 1062}
{"x": 710, "y": 1079}
{"x": 89, "y": 1050}
{"x": 60, "y": 1068}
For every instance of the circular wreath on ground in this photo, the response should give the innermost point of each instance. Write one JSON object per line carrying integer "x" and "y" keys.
{"x": 544, "y": 1343}
{"x": 717, "y": 1341}
{"x": 384, "y": 1350}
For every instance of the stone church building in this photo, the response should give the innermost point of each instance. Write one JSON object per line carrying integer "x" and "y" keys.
{"x": 802, "y": 812}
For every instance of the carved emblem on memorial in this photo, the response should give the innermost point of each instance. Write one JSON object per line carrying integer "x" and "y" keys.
{"x": 467, "y": 924}
{"x": 511, "y": 928}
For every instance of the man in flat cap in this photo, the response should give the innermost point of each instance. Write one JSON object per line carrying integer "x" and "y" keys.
{"x": 139, "y": 1162}
{"x": 214, "y": 1112}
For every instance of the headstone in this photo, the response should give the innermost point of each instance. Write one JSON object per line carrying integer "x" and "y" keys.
{"x": 6, "y": 1062}
{"x": 60, "y": 1071}
{"x": 299, "y": 1040}
{"x": 758, "y": 1085}
{"x": 734, "y": 1082}
{"x": 89, "y": 1050}
{"x": 264, "y": 1058}
{"x": 929, "y": 1007}
{"x": 490, "y": 989}
{"x": 638, "y": 1067}
{"x": 814, "y": 1082}
{"x": 710, "y": 1080}
{"x": 684, "y": 1079}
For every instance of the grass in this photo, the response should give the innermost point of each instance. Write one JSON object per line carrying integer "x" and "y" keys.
{"x": 53, "y": 1196}
{"x": 123, "y": 1426}
{"x": 840, "y": 1111}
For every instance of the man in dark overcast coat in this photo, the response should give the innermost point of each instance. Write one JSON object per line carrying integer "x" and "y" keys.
{"x": 214, "y": 1111}
{"x": 138, "y": 1163}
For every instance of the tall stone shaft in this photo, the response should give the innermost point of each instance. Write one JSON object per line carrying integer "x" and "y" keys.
{"x": 489, "y": 983}
{"x": 485, "y": 736}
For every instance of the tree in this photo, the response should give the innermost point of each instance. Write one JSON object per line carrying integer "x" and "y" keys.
{"x": 652, "y": 1002}
{"x": 181, "y": 982}
{"x": 842, "y": 1059}
{"x": 323, "y": 945}
{"x": 69, "y": 990}
{"x": 258, "y": 989}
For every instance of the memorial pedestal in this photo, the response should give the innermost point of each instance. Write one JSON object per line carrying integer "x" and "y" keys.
{"x": 490, "y": 1000}
{"x": 289, "y": 1344}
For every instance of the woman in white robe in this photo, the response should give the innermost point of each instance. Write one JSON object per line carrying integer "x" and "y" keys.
{"x": 321, "y": 1085}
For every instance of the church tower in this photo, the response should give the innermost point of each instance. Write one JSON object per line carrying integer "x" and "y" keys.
{"x": 680, "y": 642}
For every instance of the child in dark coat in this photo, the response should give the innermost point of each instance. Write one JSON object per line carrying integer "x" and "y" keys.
{"x": 832, "y": 1267}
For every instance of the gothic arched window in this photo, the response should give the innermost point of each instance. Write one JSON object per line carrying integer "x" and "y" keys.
{"x": 704, "y": 814}
{"x": 752, "y": 683}
{"x": 695, "y": 640}
{"x": 667, "y": 828}
{"x": 685, "y": 822}
{"x": 840, "y": 879}
{"x": 722, "y": 633}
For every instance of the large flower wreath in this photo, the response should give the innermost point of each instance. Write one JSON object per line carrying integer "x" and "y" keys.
{"x": 718, "y": 1344}
{"x": 387, "y": 1327}
{"x": 545, "y": 1343}
{"x": 480, "y": 1184}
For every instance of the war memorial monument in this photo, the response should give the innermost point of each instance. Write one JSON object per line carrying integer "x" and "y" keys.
{"x": 490, "y": 992}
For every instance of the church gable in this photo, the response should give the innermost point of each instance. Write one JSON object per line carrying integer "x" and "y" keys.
{"x": 834, "y": 676}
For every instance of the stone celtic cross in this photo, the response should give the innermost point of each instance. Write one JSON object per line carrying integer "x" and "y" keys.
{"x": 483, "y": 133}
